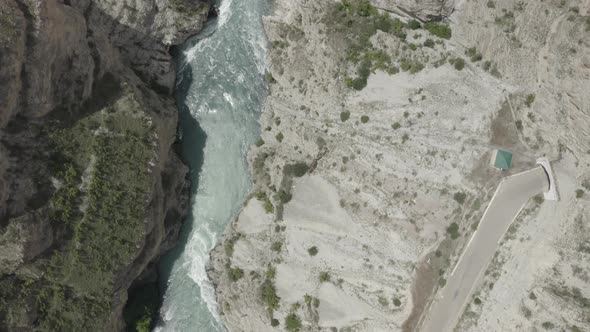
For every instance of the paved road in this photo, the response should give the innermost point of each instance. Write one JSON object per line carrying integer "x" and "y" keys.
{"x": 511, "y": 195}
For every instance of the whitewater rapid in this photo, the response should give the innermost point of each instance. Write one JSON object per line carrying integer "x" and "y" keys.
{"x": 221, "y": 89}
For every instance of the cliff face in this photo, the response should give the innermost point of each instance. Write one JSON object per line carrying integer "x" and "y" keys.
{"x": 91, "y": 191}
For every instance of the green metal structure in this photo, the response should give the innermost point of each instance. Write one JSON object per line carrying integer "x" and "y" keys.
{"x": 503, "y": 159}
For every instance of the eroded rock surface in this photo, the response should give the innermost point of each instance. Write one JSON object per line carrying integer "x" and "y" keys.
{"x": 372, "y": 170}
{"x": 91, "y": 189}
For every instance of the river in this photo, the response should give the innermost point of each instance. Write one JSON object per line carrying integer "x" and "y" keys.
{"x": 221, "y": 89}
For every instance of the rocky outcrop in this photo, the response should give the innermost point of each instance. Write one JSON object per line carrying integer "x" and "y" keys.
{"x": 90, "y": 185}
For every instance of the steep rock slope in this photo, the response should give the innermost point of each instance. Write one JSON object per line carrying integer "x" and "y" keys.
{"x": 91, "y": 190}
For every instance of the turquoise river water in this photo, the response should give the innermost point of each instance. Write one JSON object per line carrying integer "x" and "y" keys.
{"x": 221, "y": 89}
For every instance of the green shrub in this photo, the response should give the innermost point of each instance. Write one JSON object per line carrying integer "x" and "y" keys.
{"x": 292, "y": 322}
{"x": 364, "y": 119}
{"x": 324, "y": 276}
{"x": 453, "y": 230}
{"x": 383, "y": 301}
{"x": 269, "y": 78}
{"x": 268, "y": 294}
{"x": 283, "y": 196}
{"x": 344, "y": 116}
{"x": 396, "y": 125}
{"x": 411, "y": 66}
{"x": 548, "y": 325}
{"x": 274, "y": 322}
{"x": 491, "y": 4}
{"x": 460, "y": 197}
{"x": 312, "y": 251}
{"x": 477, "y": 301}
{"x": 298, "y": 169}
{"x": 279, "y": 137}
{"x": 473, "y": 54}
{"x": 359, "y": 83}
{"x": 518, "y": 124}
{"x": 235, "y": 274}
{"x": 276, "y": 246}
{"x": 530, "y": 99}
{"x": 405, "y": 137}
{"x": 364, "y": 69}
{"x": 413, "y": 24}
{"x": 429, "y": 43}
{"x": 229, "y": 245}
{"x": 260, "y": 142}
{"x": 268, "y": 207}
{"x": 579, "y": 193}
{"x": 439, "y": 29}
{"x": 144, "y": 324}
{"x": 271, "y": 272}
{"x": 397, "y": 302}
{"x": 459, "y": 63}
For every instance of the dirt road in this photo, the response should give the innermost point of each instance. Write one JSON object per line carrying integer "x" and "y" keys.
{"x": 512, "y": 194}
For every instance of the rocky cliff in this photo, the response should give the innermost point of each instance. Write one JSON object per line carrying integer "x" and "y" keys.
{"x": 91, "y": 189}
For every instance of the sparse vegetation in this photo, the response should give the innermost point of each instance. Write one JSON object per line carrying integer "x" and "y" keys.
{"x": 356, "y": 21}
{"x": 324, "y": 276}
{"x": 72, "y": 288}
{"x": 279, "y": 137}
{"x": 383, "y": 301}
{"x": 411, "y": 65}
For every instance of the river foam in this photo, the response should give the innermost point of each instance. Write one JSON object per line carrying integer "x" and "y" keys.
{"x": 221, "y": 86}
